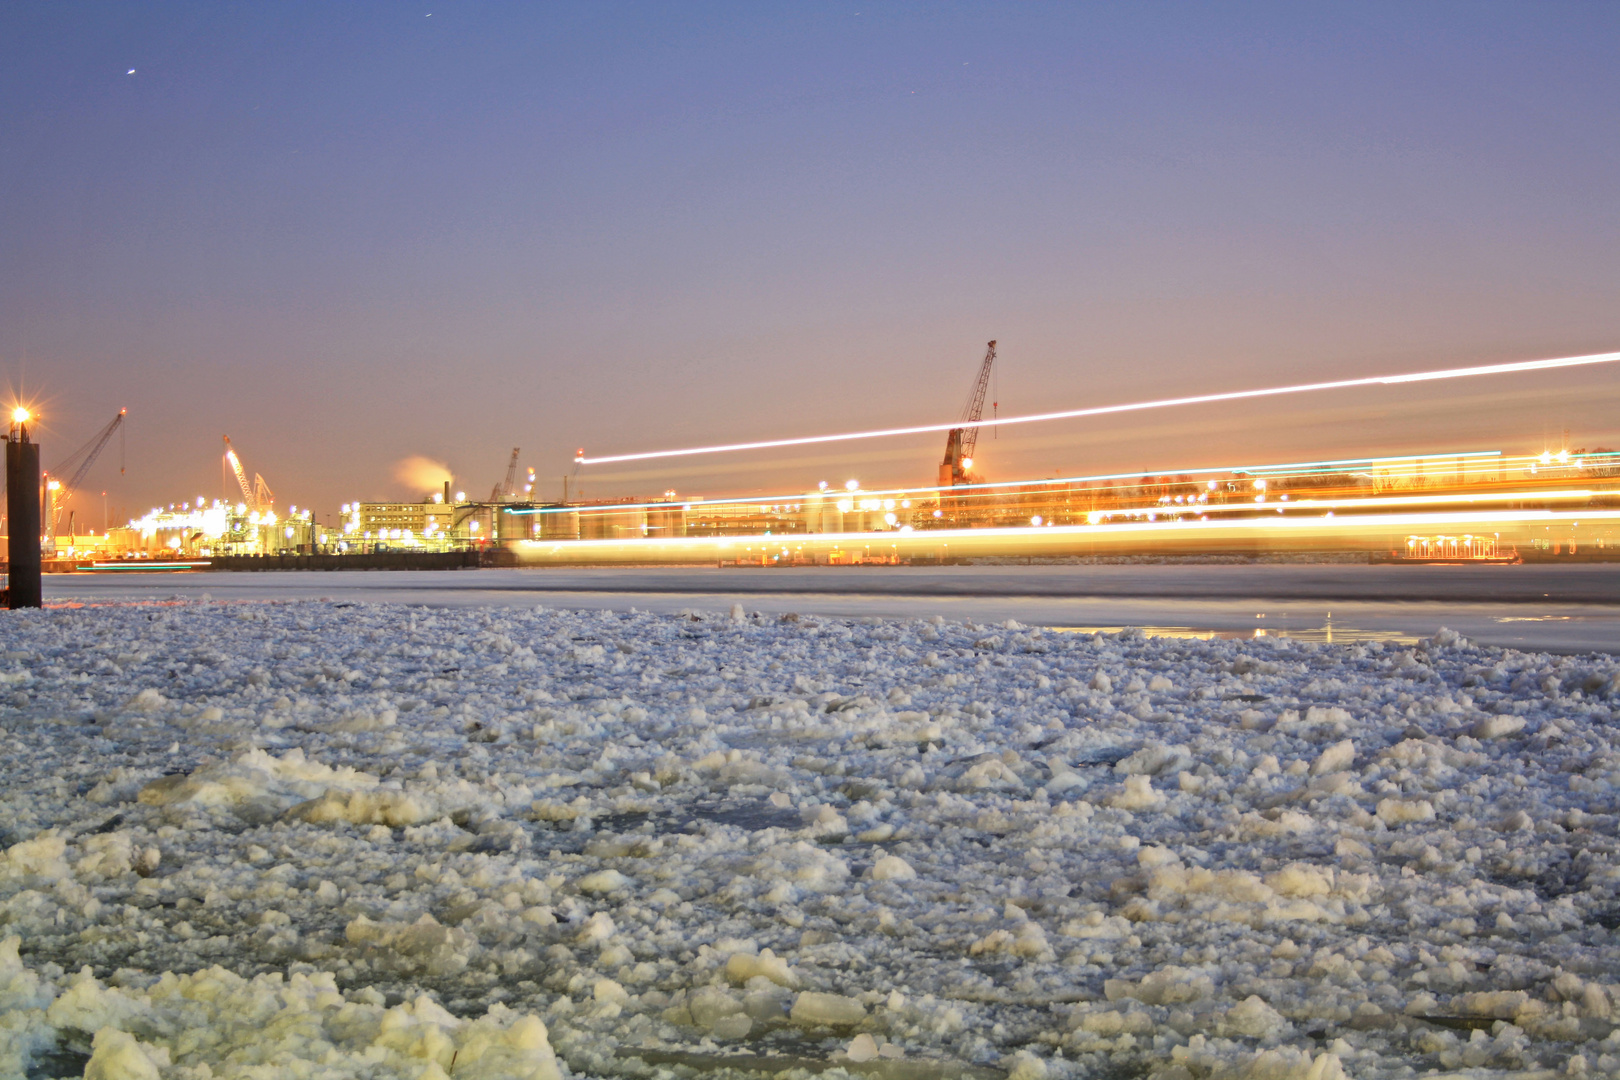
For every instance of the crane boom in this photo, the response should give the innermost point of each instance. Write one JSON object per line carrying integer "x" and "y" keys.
{"x": 961, "y": 441}
{"x": 241, "y": 477}
{"x": 257, "y": 495}
{"x": 262, "y": 495}
{"x": 85, "y": 456}
{"x": 975, "y": 406}
{"x": 503, "y": 491}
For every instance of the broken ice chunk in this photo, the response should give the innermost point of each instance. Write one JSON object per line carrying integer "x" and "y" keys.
{"x": 1497, "y": 727}
{"x": 1138, "y": 794}
{"x": 862, "y": 1048}
{"x": 1154, "y": 760}
{"x": 603, "y": 881}
{"x": 892, "y": 868}
{"x": 742, "y": 967}
{"x": 1336, "y": 758}
{"x": 1064, "y": 778}
{"x": 1400, "y": 811}
{"x": 816, "y": 1009}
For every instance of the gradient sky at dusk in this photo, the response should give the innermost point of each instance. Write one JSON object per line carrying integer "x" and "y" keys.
{"x": 345, "y": 234}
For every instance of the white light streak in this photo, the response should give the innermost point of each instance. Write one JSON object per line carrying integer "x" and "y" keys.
{"x": 1138, "y": 406}
{"x": 990, "y": 538}
{"x": 1471, "y": 458}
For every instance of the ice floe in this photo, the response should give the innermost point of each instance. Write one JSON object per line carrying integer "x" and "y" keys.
{"x": 338, "y": 840}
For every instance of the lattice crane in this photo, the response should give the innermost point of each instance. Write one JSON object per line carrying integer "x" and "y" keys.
{"x": 960, "y": 442}
{"x": 258, "y": 496}
{"x": 84, "y": 457}
{"x": 507, "y": 488}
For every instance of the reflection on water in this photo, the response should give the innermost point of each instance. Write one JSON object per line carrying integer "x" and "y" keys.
{"x": 1326, "y": 633}
{"x": 1575, "y": 610}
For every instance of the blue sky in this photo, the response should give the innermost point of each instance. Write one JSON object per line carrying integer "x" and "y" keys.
{"x": 347, "y": 234}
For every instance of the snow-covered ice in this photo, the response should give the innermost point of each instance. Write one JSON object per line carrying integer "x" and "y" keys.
{"x": 353, "y": 840}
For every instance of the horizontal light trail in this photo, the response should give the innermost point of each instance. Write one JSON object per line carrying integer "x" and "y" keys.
{"x": 1278, "y": 506}
{"x": 1300, "y": 506}
{"x": 933, "y": 538}
{"x": 1104, "y": 410}
{"x": 1471, "y": 457}
{"x": 1263, "y": 514}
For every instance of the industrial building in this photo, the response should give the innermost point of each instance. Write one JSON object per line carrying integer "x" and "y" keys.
{"x": 432, "y": 524}
{"x": 429, "y": 522}
{"x": 203, "y": 529}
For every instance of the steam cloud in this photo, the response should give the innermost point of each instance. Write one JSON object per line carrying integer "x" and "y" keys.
{"x": 422, "y": 474}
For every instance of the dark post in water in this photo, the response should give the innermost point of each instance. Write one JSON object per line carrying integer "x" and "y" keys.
{"x": 22, "y": 512}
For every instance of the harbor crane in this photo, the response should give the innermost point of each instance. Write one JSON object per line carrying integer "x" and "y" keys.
{"x": 258, "y": 497}
{"x": 77, "y": 464}
{"x": 961, "y": 441}
{"x": 507, "y": 488}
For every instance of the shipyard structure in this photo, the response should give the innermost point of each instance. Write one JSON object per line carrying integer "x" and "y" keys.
{"x": 1476, "y": 505}
{"x": 1469, "y": 505}
{"x": 1472, "y": 505}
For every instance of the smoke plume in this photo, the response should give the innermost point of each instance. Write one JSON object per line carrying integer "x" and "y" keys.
{"x": 421, "y": 474}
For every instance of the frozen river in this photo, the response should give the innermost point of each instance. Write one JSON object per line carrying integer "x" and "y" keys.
{"x": 1562, "y": 609}
{"x": 498, "y": 839}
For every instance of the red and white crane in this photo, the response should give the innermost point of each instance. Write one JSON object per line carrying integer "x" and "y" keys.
{"x": 960, "y": 441}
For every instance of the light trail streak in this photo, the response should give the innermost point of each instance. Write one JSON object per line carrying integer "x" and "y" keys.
{"x": 1139, "y": 406}
{"x": 1278, "y": 507}
{"x": 922, "y": 541}
{"x": 1468, "y": 457}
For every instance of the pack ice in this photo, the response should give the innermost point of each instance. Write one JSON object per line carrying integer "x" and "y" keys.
{"x": 337, "y": 840}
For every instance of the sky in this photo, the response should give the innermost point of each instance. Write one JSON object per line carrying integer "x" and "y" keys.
{"x": 350, "y": 235}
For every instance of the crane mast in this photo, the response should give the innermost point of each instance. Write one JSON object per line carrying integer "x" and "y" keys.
{"x": 235, "y": 464}
{"x": 961, "y": 441}
{"x": 84, "y": 457}
{"x": 262, "y": 495}
{"x": 257, "y": 496}
{"x": 507, "y": 488}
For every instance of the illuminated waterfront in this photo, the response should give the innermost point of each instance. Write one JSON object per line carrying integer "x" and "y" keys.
{"x": 1471, "y": 505}
{"x": 1468, "y": 505}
